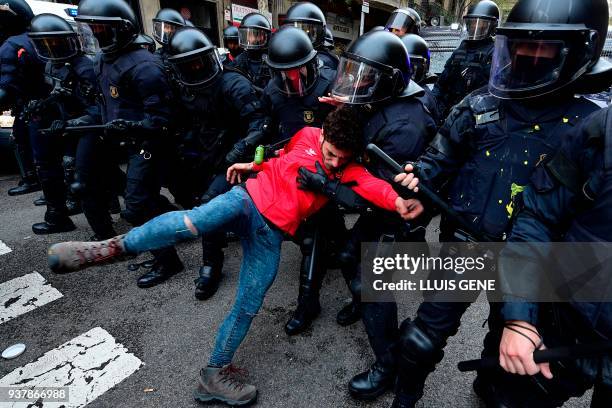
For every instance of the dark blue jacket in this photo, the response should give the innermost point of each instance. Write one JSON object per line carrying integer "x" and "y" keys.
{"x": 255, "y": 69}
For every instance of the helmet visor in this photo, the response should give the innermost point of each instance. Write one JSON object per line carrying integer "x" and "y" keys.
{"x": 55, "y": 48}
{"x": 296, "y": 81}
{"x": 400, "y": 24}
{"x": 315, "y": 31}
{"x": 162, "y": 31}
{"x": 252, "y": 38}
{"x": 525, "y": 65}
{"x": 478, "y": 28}
{"x": 105, "y": 33}
{"x": 420, "y": 66}
{"x": 356, "y": 82}
{"x": 198, "y": 70}
{"x": 89, "y": 43}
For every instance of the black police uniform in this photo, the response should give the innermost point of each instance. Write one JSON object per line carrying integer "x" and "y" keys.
{"x": 289, "y": 114}
{"x": 486, "y": 152}
{"x": 466, "y": 70}
{"x": 250, "y": 62}
{"x": 73, "y": 95}
{"x": 328, "y": 58}
{"x": 22, "y": 78}
{"x": 570, "y": 196}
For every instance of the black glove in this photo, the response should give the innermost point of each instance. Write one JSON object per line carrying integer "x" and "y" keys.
{"x": 238, "y": 153}
{"x": 57, "y": 127}
{"x": 121, "y": 125}
{"x": 316, "y": 182}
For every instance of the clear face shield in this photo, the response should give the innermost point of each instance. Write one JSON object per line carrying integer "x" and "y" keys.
{"x": 315, "y": 31}
{"x": 56, "y": 48}
{"x": 106, "y": 34}
{"x": 89, "y": 43}
{"x": 400, "y": 24}
{"x": 296, "y": 82}
{"x": 163, "y": 30}
{"x": 358, "y": 83}
{"x": 198, "y": 70}
{"x": 475, "y": 29}
{"x": 252, "y": 38}
{"x": 420, "y": 67}
{"x": 526, "y": 65}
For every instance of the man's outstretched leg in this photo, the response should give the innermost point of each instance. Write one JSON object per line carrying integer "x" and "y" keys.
{"x": 160, "y": 232}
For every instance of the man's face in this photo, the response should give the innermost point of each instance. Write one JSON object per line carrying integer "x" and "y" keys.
{"x": 399, "y": 31}
{"x": 333, "y": 158}
{"x": 256, "y": 37}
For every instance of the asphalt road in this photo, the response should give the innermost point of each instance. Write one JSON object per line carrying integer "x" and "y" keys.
{"x": 172, "y": 333}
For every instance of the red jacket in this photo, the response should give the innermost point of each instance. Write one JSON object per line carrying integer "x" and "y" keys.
{"x": 275, "y": 190}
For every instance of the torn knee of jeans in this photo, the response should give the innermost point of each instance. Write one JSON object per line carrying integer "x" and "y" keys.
{"x": 190, "y": 226}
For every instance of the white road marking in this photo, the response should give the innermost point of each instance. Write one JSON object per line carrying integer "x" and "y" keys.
{"x": 4, "y": 249}
{"x": 89, "y": 365}
{"x": 23, "y": 294}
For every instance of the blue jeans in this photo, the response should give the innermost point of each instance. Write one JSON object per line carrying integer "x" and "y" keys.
{"x": 261, "y": 245}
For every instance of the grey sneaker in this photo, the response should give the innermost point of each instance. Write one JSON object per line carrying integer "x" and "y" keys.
{"x": 224, "y": 385}
{"x": 72, "y": 256}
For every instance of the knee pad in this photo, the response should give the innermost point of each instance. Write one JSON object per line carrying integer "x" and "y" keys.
{"x": 417, "y": 346}
{"x": 355, "y": 286}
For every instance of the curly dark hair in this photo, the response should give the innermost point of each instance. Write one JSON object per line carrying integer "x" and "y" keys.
{"x": 343, "y": 129}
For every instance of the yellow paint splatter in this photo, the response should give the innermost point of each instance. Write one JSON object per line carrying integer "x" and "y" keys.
{"x": 525, "y": 162}
{"x": 488, "y": 153}
{"x": 500, "y": 201}
{"x": 514, "y": 190}
{"x": 565, "y": 120}
{"x": 537, "y": 127}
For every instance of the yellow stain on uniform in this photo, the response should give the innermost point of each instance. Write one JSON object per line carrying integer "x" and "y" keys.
{"x": 500, "y": 201}
{"x": 525, "y": 162}
{"x": 536, "y": 127}
{"x": 514, "y": 190}
{"x": 488, "y": 153}
{"x": 565, "y": 120}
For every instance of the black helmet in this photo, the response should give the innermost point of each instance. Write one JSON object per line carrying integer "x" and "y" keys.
{"x": 481, "y": 20}
{"x": 404, "y": 21}
{"x": 538, "y": 53}
{"x": 375, "y": 67}
{"x": 15, "y": 16}
{"x": 377, "y": 28}
{"x": 329, "y": 39}
{"x": 254, "y": 32}
{"x": 146, "y": 42}
{"x": 309, "y": 18}
{"x": 293, "y": 62}
{"x": 194, "y": 58}
{"x": 418, "y": 51}
{"x": 230, "y": 33}
{"x": 53, "y": 37}
{"x": 165, "y": 23}
{"x": 188, "y": 23}
{"x": 112, "y": 22}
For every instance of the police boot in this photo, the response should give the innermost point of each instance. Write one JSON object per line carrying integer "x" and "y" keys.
{"x": 40, "y": 201}
{"x": 167, "y": 264}
{"x": 374, "y": 382}
{"x": 56, "y": 216}
{"x": 207, "y": 283}
{"x": 73, "y": 203}
{"x": 486, "y": 391}
{"x": 350, "y": 313}
{"x": 308, "y": 307}
{"x": 27, "y": 185}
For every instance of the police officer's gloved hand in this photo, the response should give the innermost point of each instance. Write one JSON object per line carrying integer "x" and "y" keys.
{"x": 317, "y": 182}
{"x": 57, "y": 127}
{"x": 121, "y": 125}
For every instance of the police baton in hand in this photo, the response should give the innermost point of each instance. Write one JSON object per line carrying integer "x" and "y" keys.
{"x": 377, "y": 153}
{"x": 77, "y": 129}
{"x": 545, "y": 356}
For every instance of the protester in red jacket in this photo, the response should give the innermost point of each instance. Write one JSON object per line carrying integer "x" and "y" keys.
{"x": 260, "y": 212}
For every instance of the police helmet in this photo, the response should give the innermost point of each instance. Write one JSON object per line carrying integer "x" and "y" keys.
{"x": 293, "y": 62}
{"x": 539, "y": 53}
{"x": 165, "y": 23}
{"x": 145, "y": 42}
{"x": 188, "y": 23}
{"x": 230, "y": 33}
{"x": 419, "y": 54}
{"x": 112, "y": 23}
{"x": 404, "y": 21}
{"x": 194, "y": 58}
{"x": 329, "y": 39}
{"x": 15, "y": 17}
{"x": 375, "y": 67}
{"x": 53, "y": 38}
{"x": 481, "y": 20}
{"x": 254, "y": 32}
{"x": 309, "y": 18}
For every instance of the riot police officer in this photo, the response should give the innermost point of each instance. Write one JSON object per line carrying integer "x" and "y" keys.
{"x": 487, "y": 149}
{"x": 73, "y": 94}
{"x": 420, "y": 59}
{"x": 328, "y": 43}
{"x": 231, "y": 42}
{"x": 146, "y": 42}
{"x": 404, "y": 21}
{"x": 165, "y": 23}
{"x": 254, "y": 35}
{"x": 569, "y": 197}
{"x": 374, "y": 74}
{"x": 291, "y": 101}
{"x": 223, "y": 124}
{"x": 468, "y": 67}
{"x": 135, "y": 99}
{"x": 309, "y": 18}
{"x": 21, "y": 79}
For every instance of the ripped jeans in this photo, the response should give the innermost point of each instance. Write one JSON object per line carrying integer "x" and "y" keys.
{"x": 233, "y": 211}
